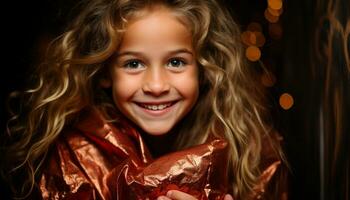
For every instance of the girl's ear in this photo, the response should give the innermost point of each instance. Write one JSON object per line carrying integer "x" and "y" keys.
{"x": 105, "y": 83}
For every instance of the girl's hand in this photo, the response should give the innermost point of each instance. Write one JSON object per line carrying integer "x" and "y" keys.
{"x": 178, "y": 195}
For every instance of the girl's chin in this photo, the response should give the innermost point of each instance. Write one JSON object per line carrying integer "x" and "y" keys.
{"x": 156, "y": 128}
{"x": 156, "y": 132}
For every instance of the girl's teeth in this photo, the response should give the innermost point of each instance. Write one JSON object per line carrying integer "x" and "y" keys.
{"x": 156, "y": 107}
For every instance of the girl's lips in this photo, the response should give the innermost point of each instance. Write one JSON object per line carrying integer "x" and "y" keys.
{"x": 156, "y": 109}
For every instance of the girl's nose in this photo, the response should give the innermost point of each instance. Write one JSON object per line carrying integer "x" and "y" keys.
{"x": 156, "y": 82}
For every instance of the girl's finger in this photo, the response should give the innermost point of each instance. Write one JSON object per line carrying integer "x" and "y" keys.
{"x": 178, "y": 195}
{"x": 228, "y": 197}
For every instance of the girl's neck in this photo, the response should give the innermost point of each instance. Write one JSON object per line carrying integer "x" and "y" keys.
{"x": 159, "y": 145}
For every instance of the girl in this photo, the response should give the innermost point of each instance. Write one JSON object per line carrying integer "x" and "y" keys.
{"x": 171, "y": 72}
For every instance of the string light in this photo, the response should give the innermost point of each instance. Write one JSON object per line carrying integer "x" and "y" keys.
{"x": 253, "y": 37}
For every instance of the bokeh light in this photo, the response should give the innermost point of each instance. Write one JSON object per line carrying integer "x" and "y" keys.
{"x": 275, "y": 4}
{"x": 253, "y": 53}
{"x": 254, "y": 27}
{"x": 251, "y": 38}
{"x": 269, "y": 17}
{"x": 286, "y": 101}
{"x": 260, "y": 39}
{"x": 274, "y": 12}
{"x": 248, "y": 38}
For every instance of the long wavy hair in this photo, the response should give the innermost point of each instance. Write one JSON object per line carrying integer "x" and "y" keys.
{"x": 230, "y": 104}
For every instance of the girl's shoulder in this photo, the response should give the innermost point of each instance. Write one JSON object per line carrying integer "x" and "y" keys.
{"x": 87, "y": 150}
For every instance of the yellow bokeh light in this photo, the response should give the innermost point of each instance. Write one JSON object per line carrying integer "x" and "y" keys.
{"x": 286, "y": 101}
{"x": 275, "y": 4}
{"x": 253, "y": 53}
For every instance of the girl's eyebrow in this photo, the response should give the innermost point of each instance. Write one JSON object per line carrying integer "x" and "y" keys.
{"x": 138, "y": 53}
{"x": 184, "y": 50}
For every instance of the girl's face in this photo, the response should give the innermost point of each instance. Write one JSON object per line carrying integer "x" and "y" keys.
{"x": 155, "y": 75}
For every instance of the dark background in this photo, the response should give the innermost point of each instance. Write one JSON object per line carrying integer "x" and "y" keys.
{"x": 309, "y": 62}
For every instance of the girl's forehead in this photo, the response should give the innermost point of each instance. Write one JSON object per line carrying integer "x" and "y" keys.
{"x": 156, "y": 9}
{"x": 156, "y": 28}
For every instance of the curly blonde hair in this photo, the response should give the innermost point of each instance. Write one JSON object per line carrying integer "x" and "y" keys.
{"x": 230, "y": 104}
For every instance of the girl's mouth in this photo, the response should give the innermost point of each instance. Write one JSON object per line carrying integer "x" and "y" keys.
{"x": 156, "y": 106}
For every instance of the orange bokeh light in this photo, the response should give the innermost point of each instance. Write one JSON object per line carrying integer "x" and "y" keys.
{"x": 251, "y": 38}
{"x": 254, "y": 27}
{"x": 260, "y": 39}
{"x": 248, "y": 38}
{"x": 275, "y": 4}
{"x": 274, "y": 12}
{"x": 269, "y": 17}
{"x": 253, "y": 53}
{"x": 286, "y": 101}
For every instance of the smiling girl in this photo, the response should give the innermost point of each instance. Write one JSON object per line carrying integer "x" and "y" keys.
{"x": 154, "y": 74}
{"x": 171, "y": 73}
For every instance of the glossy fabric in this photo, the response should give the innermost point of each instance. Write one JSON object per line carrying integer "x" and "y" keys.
{"x": 100, "y": 160}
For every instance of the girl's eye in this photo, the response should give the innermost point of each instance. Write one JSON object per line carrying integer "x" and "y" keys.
{"x": 175, "y": 62}
{"x": 133, "y": 64}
